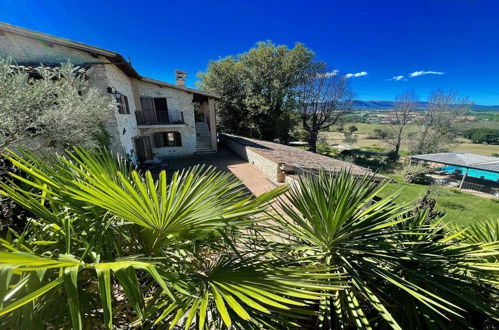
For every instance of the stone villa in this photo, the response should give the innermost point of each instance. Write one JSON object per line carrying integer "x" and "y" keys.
{"x": 156, "y": 120}
{"x": 153, "y": 119}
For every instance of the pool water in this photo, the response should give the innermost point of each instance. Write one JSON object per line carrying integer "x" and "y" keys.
{"x": 492, "y": 176}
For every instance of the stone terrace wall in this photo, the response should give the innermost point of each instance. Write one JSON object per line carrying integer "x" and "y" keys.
{"x": 265, "y": 165}
{"x": 269, "y": 158}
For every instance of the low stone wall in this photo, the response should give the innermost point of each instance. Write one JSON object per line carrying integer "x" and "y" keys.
{"x": 264, "y": 164}
{"x": 279, "y": 161}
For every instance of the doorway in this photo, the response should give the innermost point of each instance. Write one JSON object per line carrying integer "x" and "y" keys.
{"x": 143, "y": 148}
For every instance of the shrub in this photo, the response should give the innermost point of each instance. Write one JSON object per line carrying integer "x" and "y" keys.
{"x": 380, "y": 134}
{"x": 416, "y": 174}
{"x": 352, "y": 129}
{"x": 398, "y": 268}
{"x": 482, "y": 135}
{"x": 116, "y": 245}
{"x": 111, "y": 247}
{"x": 12, "y": 215}
{"x": 58, "y": 109}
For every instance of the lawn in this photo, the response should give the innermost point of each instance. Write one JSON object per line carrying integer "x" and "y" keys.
{"x": 461, "y": 208}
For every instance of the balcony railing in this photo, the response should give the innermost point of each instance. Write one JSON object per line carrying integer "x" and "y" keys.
{"x": 159, "y": 117}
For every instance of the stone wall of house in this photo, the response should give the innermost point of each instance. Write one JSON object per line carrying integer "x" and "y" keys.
{"x": 178, "y": 101}
{"x": 123, "y": 127}
{"x": 265, "y": 165}
{"x": 29, "y": 50}
{"x": 24, "y": 50}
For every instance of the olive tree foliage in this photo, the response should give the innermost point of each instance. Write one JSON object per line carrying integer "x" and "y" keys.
{"x": 258, "y": 89}
{"x": 437, "y": 125}
{"x": 323, "y": 99}
{"x": 402, "y": 113}
{"x": 56, "y": 109}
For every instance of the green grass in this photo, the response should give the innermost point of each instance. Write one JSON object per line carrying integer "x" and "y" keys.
{"x": 461, "y": 208}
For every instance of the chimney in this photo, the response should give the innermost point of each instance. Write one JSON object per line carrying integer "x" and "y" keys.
{"x": 180, "y": 77}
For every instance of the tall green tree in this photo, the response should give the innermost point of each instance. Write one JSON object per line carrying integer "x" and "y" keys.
{"x": 258, "y": 89}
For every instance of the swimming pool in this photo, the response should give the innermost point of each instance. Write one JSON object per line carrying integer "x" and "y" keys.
{"x": 492, "y": 176}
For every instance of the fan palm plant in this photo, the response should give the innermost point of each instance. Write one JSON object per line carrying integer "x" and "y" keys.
{"x": 120, "y": 246}
{"x": 405, "y": 270}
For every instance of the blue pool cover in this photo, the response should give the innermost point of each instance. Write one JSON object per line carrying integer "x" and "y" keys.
{"x": 480, "y": 174}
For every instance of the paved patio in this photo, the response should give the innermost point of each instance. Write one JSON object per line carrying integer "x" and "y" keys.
{"x": 225, "y": 160}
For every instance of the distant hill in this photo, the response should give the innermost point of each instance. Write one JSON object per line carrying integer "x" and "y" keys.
{"x": 388, "y": 105}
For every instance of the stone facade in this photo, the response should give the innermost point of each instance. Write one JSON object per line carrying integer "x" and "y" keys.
{"x": 30, "y": 47}
{"x": 31, "y": 50}
{"x": 178, "y": 102}
{"x": 125, "y": 125}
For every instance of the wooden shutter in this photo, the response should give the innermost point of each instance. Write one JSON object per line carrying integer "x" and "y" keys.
{"x": 178, "y": 139}
{"x": 148, "y": 109}
{"x": 124, "y": 102}
{"x": 147, "y": 147}
{"x": 157, "y": 140}
{"x": 119, "y": 103}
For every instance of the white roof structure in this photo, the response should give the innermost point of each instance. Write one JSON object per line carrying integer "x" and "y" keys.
{"x": 464, "y": 159}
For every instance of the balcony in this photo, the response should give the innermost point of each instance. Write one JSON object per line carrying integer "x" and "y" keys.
{"x": 145, "y": 118}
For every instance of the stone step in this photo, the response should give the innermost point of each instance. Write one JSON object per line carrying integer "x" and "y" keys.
{"x": 199, "y": 152}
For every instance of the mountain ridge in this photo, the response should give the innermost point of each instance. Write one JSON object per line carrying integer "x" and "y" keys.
{"x": 388, "y": 105}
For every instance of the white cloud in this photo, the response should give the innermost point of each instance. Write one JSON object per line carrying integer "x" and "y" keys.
{"x": 358, "y": 74}
{"x": 422, "y": 73}
{"x": 328, "y": 74}
{"x": 397, "y": 78}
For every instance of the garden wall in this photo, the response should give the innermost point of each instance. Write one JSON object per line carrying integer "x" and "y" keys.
{"x": 264, "y": 164}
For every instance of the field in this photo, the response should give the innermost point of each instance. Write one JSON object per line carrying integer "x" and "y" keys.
{"x": 461, "y": 208}
{"x": 366, "y": 132}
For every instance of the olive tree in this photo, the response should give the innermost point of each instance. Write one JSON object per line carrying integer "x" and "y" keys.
{"x": 54, "y": 109}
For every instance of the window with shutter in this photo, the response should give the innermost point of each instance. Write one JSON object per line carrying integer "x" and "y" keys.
{"x": 125, "y": 104}
{"x": 178, "y": 139}
{"x": 167, "y": 139}
{"x": 122, "y": 103}
{"x": 148, "y": 111}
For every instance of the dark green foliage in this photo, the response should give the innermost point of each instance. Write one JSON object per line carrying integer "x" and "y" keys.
{"x": 381, "y": 133}
{"x": 406, "y": 269}
{"x": 257, "y": 89}
{"x": 11, "y": 214}
{"x": 482, "y": 135}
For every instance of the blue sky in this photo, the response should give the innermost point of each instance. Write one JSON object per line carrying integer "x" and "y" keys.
{"x": 457, "y": 40}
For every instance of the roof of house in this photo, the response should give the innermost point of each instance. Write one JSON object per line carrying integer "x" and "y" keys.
{"x": 463, "y": 159}
{"x": 113, "y": 57}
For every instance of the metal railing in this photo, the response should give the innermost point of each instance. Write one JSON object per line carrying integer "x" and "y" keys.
{"x": 159, "y": 117}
